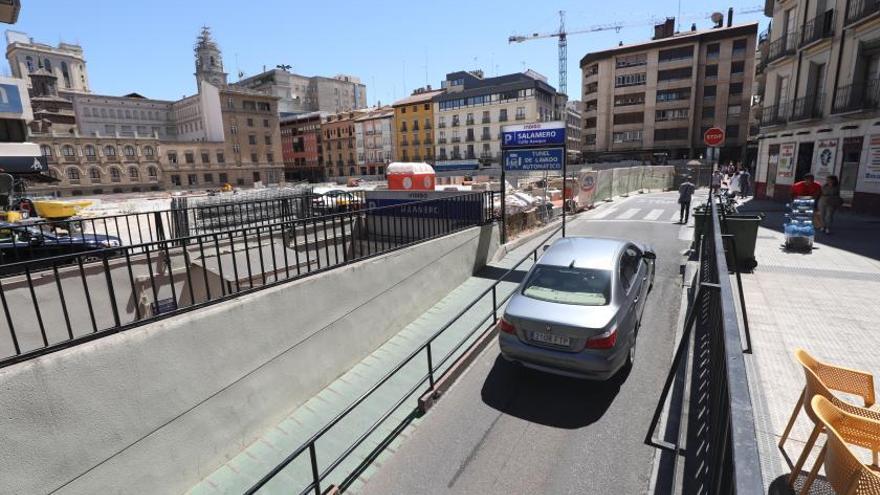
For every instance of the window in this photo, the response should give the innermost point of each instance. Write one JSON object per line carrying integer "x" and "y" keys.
{"x": 206, "y": 158}
{"x": 47, "y": 65}
{"x": 223, "y": 178}
{"x": 734, "y": 110}
{"x": 175, "y": 180}
{"x": 629, "y": 80}
{"x": 192, "y": 179}
{"x": 564, "y": 285}
{"x": 674, "y": 74}
{"x": 736, "y": 88}
{"x": 708, "y": 112}
{"x": 673, "y": 94}
{"x": 502, "y": 115}
{"x": 631, "y": 60}
{"x": 737, "y": 68}
{"x": 233, "y": 129}
{"x": 249, "y": 105}
{"x": 67, "y": 150}
{"x": 732, "y": 131}
{"x": 29, "y": 61}
{"x": 133, "y": 173}
{"x": 591, "y": 88}
{"x": 189, "y": 157}
{"x": 109, "y": 151}
{"x": 89, "y": 150}
{"x": 672, "y": 114}
{"x": 628, "y": 136}
{"x": 250, "y": 122}
{"x": 630, "y": 99}
{"x": 95, "y": 174}
{"x": 713, "y": 50}
{"x": 592, "y": 70}
{"x": 257, "y": 175}
{"x": 65, "y": 74}
{"x": 270, "y": 157}
{"x": 629, "y": 266}
{"x": 172, "y": 157}
{"x": 46, "y": 150}
{"x": 629, "y": 118}
{"x": 148, "y": 151}
{"x": 254, "y": 158}
{"x": 739, "y": 48}
{"x": 115, "y": 176}
{"x": 252, "y": 139}
{"x": 681, "y": 53}
{"x": 590, "y": 123}
{"x": 709, "y": 91}
{"x": 520, "y": 113}
{"x": 220, "y": 157}
{"x": 712, "y": 71}
{"x": 209, "y": 178}
{"x": 129, "y": 151}
{"x": 263, "y": 106}
{"x": 265, "y": 122}
{"x": 676, "y": 133}
{"x": 73, "y": 174}
{"x": 152, "y": 172}
{"x": 268, "y": 139}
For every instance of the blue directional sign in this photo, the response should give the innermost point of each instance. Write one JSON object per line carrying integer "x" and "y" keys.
{"x": 537, "y": 134}
{"x": 533, "y": 159}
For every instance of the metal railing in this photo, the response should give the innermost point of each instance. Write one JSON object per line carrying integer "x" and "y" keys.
{"x": 774, "y": 114}
{"x": 61, "y": 301}
{"x": 821, "y": 26}
{"x": 714, "y": 426}
{"x": 807, "y": 107}
{"x": 431, "y": 376}
{"x": 782, "y": 46}
{"x": 860, "y": 9}
{"x": 858, "y": 96}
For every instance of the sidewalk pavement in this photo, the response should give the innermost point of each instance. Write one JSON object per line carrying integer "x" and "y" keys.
{"x": 824, "y": 302}
{"x": 263, "y": 455}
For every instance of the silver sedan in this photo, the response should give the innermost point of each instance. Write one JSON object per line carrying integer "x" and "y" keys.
{"x": 578, "y": 311}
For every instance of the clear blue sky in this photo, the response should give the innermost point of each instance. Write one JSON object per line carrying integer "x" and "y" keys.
{"x": 393, "y": 46}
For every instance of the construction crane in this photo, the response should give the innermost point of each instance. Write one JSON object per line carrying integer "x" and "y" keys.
{"x": 563, "y": 35}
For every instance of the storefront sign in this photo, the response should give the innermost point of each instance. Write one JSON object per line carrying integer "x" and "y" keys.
{"x": 872, "y": 168}
{"x": 537, "y": 134}
{"x": 826, "y": 158}
{"x": 785, "y": 167}
{"x": 533, "y": 159}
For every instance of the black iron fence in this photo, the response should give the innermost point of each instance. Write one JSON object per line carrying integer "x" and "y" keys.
{"x": 783, "y": 46}
{"x": 807, "y": 107}
{"x": 863, "y": 95}
{"x": 711, "y": 423}
{"x": 860, "y": 9}
{"x": 60, "y": 301}
{"x": 821, "y": 26}
{"x": 31, "y": 240}
{"x": 435, "y": 369}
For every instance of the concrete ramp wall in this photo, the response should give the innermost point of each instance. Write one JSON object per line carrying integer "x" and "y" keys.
{"x": 157, "y": 408}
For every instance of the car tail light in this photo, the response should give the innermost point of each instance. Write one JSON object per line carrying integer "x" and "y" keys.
{"x": 604, "y": 340}
{"x": 506, "y": 326}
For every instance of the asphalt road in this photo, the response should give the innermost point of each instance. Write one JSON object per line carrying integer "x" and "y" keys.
{"x": 507, "y": 430}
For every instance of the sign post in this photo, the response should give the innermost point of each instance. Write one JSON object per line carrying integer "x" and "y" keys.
{"x": 533, "y": 147}
{"x": 713, "y": 138}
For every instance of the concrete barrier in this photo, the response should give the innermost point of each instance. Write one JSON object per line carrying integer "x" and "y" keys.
{"x": 157, "y": 408}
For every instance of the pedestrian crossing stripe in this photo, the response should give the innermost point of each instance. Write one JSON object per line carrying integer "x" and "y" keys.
{"x": 628, "y": 214}
{"x": 654, "y": 214}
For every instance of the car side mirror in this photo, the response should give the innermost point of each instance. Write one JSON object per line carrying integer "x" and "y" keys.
{"x": 546, "y": 247}
{"x": 35, "y": 241}
{"x": 649, "y": 255}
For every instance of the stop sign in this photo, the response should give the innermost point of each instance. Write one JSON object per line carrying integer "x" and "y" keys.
{"x": 713, "y": 137}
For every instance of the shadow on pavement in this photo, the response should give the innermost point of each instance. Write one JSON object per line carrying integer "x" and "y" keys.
{"x": 494, "y": 273}
{"x": 547, "y": 399}
{"x": 859, "y": 234}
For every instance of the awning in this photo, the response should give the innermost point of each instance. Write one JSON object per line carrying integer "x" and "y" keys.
{"x": 24, "y": 161}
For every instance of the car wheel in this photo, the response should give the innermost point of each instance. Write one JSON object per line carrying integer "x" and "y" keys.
{"x": 631, "y": 355}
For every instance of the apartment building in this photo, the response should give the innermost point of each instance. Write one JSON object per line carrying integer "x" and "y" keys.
{"x": 302, "y": 146}
{"x": 469, "y": 115}
{"x": 87, "y": 165}
{"x": 252, "y": 137}
{"x": 414, "y": 134}
{"x": 374, "y": 141}
{"x": 299, "y": 94}
{"x": 340, "y": 155}
{"x": 659, "y": 97}
{"x": 198, "y": 165}
{"x": 573, "y": 130}
{"x": 821, "y": 99}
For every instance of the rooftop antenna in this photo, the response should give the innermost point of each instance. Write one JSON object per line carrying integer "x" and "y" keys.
{"x": 284, "y": 67}
{"x": 678, "y": 17}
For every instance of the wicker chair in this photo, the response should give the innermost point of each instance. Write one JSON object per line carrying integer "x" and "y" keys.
{"x": 821, "y": 379}
{"x": 844, "y": 470}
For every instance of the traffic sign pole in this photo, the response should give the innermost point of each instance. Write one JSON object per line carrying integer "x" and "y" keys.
{"x": 564, "y": 180}
{"x": 503, "y": 204}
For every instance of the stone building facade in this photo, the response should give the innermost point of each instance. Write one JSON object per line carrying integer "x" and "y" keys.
{"x": 340, "y": 155}
{"x": 65, "y": 61}
{"x": 302, "y": 146}
{"x": 374, "y": 142}
{"x": 299, "y": 94}
{"x": 414, "y": 126}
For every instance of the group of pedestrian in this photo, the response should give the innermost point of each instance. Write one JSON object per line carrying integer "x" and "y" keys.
{"x": 826, "y": 197}
{"x": 738, "y": 180}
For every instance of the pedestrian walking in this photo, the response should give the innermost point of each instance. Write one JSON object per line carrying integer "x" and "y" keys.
{"x": 716, "y": 181}
{"x": 809, "y": 188}
{"x": 685, "y": 192}
{"x": 829, "y": 201}
{"x": 745, "y": 183}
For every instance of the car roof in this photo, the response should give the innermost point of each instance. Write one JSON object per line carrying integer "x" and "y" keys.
{"x": 584, "y": 252}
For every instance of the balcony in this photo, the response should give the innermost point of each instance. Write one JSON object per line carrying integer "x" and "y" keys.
{"x": 416, "y": 142}
{"x": 456, "y": 139}
{"x": 403, "y": 128}
{"x": 860, "y": 9}
{"x": 469, "y": 122}
{"x": 817, "y": 28}
{"x": 487, "y": 120}
{"x": 486, "y": 137}
{"x": 441, "y": 125}
{"x": 455, "y": 123}
{"x": 857, "y": 97}
{"x": 470, "y": 155}
{"x": 455, "y": 156}
{"x": 774, "y": 114}
{"x": 69, "y": 158}
{"x": 441, "y": 140}
{"x": 469, "y": 138}
{"x": 807, "y": 107}
{"x": 782, "y": 47}
{"x": 520, "y": 117}
{"x": 91, "y": 158}
{"x": 428, "y": 125}
{"x": 502, "y": 118}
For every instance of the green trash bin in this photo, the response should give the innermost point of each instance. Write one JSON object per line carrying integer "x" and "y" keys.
{"x": 744, "y": 229}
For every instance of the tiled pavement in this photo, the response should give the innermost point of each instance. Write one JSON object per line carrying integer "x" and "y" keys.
{"x": 260, "y": 457}
{"x": 825, "y": 302}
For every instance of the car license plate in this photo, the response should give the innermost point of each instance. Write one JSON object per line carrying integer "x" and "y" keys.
{"x": 547, "y": 338}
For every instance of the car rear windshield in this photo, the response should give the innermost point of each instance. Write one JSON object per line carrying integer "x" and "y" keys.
{"x": 579, "y": 286}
